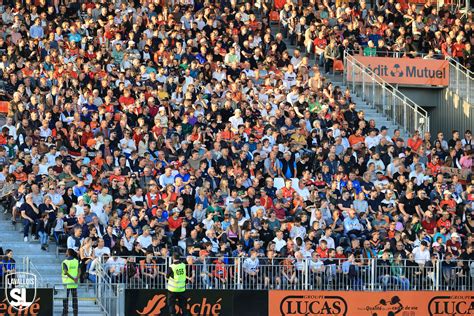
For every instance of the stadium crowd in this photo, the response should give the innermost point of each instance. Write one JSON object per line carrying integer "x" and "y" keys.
{"x": 135, "y": 128}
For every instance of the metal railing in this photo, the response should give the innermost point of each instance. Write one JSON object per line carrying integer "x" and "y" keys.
{"x": 461, "y": 80}
{"x": 31, "y": 267}
{"x": 107, "y": 291}
{"x": 298, "y": 274}
{"x": 385, "y": 98}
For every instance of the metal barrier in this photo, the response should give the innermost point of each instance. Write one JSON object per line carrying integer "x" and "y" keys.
{"x": 460, "y": 80}
{"x": 384, "y": 97}
{"x": 107, "y": 291}
{"x": 288, "y": 274}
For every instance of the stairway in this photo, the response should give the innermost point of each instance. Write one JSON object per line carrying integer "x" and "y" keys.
{"x": 361, "y": 105}
{"x": 86, "y": 297}
{"x": 46, "y": 265}
{"x": 370, "y": 112}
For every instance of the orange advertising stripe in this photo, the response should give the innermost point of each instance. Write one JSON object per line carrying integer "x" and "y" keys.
{"x": 404, "y": 303}
{"x": 406, "y": 71}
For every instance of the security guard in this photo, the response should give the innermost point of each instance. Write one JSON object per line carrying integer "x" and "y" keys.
{"x": 70, "y": 276}
{"x": 177, "y": 286}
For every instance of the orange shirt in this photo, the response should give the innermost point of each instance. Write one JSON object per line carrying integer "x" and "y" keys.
{"x": 353, "y": 139}
{"x": 227, "y": 135}
{"x": 20, "y": 176}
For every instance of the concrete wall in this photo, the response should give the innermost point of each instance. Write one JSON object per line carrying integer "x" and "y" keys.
{"x": 426, "y": 97}
{"x": 447, "y": 111}
{"x": 453, "y": 113}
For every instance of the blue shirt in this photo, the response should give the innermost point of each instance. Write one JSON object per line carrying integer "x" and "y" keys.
{"x": 36, "y": 31}
{"x": 75, "y": 37}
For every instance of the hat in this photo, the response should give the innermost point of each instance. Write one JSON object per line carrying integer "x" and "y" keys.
{"x": 383, "y": 128}
{"x": 63, "y": 148}
{"x": 196, "y": 142}
{"x": 203, "y": 253}
{"x": 237, "y": 200}
{"x": 184, "y": 142}
{"x": 426, "y": 178}
{"x": 379, "y": 172}
{"x": 19, "y": 164}
{"x": 446, "y": 192}
{"x": 454, "y": 235}
{"x": 162, "y": 108}
{"x": 401, "y": 155}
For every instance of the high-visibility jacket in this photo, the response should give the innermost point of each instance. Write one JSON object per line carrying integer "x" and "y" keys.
{"x": 177, "y": 283}
{"x": 73, "y": 270}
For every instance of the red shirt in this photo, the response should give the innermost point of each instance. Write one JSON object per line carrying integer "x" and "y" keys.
{"x": 322, "y": 253}
{"x": 126, "y": 100}
{"x": 429, "y": 226}
{"x": 287, "y": 193}
{"x": 457, "y": 49}
{"x": 266, "y": 202}
{"x": 434, "y": 168}
{"x": 414, "y": 144}
{"x": 280, "y": 213}
{"x": 174, "y": 224}
{"x": 444, "y": 223}
{"x": 320, "y": 42}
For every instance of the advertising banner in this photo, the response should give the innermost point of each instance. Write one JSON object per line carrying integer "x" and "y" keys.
{"x": 28, "y": 302}
{"x": 296, "y": 303}
{"x": 404, "y": 71}
{"x": 199, "y": 302}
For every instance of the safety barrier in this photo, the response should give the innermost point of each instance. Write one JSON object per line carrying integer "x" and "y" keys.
{"x": 295, "y": 274}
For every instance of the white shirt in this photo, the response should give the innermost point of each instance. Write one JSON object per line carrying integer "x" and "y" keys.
{"x": 421, "y": 257}
{"x": 236, "y": 121}
{"x": 99, "y": 252}
{"x": 371, "y": 141}
{"x": 279, "y": 244}
{"x": 304, "y": 192}
{"x": 127, "y": 145}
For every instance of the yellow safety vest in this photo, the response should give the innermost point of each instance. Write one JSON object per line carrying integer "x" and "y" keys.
{"x": 73, "y": 270}
{"x": 177, "y": 283}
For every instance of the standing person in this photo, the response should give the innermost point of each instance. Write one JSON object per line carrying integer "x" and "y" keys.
{"x": 177, "y": 286}
{"x": 70, "y": 276}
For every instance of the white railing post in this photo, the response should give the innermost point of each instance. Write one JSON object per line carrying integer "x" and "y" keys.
{"x": 416, "y": 119}
{"x": 306, "y": 274}
{"x": 373, "y": 92}
{"x": 437, "y": 275}
{"x": 394, "y": 109}
{"x": 372, "y": 274}
{"x": 468, "y": 90}
{"x": 239, "y": 273}
{"x": 405, "y": 114}
{"x": 363, "y": 84}
{"x": 457, "y": 78}
{"x": 384, "y": 103}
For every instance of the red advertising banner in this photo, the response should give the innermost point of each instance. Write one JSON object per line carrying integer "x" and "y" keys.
{"x": 401, "y": 303}
{"x": 404, "y": 71}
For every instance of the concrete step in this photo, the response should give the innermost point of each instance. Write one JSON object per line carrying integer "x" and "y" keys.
{"x": 87, "y": 301}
